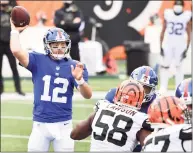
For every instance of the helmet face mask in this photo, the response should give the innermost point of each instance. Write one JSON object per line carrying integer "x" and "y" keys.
{"x": 184, "y": 92}
{"x": 57, "y": 43}
{"x": 148, "y": 78}
{"x": 58, "y": 50}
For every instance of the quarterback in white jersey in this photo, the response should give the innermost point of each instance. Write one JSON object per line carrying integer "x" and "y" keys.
{"x": 175, "y": 40}
{"x": 116, "y": 127}
{"x": 175, "y": 135}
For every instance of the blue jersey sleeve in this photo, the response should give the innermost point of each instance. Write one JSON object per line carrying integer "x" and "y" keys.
{"x": 110, "y": 95}
{"x": 32, "y": 62}
{"x": 85, "y": 76}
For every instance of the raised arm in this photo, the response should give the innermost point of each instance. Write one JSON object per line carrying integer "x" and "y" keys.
{"x": 15, "y": 45}
{"x": 83, "y": 86}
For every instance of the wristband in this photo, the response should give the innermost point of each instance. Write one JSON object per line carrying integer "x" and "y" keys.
{"x": 80, "y": 82}
{"x": 14, "y": 32}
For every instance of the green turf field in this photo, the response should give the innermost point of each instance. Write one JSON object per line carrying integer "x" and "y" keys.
{"x": 16, "y": 121}
{"x": 97, "y": 84}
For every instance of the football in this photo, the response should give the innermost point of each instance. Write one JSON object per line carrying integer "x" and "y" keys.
{"x": 20, "y": 16}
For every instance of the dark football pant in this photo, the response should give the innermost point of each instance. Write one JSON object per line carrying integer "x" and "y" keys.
{"x": 74, "y": 52}
{"x": 5, "y": 49}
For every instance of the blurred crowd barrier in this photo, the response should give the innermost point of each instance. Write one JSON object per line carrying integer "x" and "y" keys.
{"x": 120, "y": 20}
{"x": 90, "y": 51}
{"x": 31, "y": 39}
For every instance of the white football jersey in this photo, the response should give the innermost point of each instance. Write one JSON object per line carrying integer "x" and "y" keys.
{"x": 174, "y": 138}
{"x": 176, "y": 25}
{"x": 115, "y": 127}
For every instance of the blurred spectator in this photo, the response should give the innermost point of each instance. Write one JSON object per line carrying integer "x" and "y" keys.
{"x": 5, "y": 27}
{"x": 41, "y": 18}
{"x": 69, "y": 18}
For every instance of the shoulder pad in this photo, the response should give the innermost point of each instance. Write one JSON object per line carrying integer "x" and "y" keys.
{"x": 99, "y": 104}
{"x": 188, "y": 14}
{"x": 35, "y": 52}
{"x": 167, "y": 12}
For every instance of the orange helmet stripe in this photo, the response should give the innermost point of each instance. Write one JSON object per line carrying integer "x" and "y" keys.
{"x": 161, "y": 113}
{"x": 169, "y": 108}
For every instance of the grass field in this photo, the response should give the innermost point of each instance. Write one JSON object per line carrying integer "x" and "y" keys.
{"x": 97, "y": 84}
{"x": 16, "y": 122}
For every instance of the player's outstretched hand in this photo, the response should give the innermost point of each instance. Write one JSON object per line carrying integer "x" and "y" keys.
{"x": 13, "y": 27}
{"x": 77, "y": 72}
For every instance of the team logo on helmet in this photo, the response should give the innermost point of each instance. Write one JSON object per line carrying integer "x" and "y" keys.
{"x": 169, "y": 109}
{"x": 130, "y": 92}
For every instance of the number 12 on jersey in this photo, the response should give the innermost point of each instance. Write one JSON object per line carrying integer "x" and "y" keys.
{"x": 56, "y": 90}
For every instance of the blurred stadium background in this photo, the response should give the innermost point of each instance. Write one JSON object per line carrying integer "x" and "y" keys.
{"x": 131, "y": 24}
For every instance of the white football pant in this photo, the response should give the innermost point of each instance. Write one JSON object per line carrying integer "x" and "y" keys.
{"x": 44, "y": 133}
{"x": 171, "y": 65}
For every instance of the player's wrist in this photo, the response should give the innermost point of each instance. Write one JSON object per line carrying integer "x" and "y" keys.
{"x": 14, "y": 31}
{"x": 80, "y": 82}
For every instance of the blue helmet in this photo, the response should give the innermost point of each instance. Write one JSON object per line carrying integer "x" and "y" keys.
{"x": 148, "y": 78}
{"x": 184, "y": 91}
{"x": 56, "y": 35}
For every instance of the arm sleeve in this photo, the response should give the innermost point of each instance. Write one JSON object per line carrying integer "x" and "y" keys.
{"x": 32, "y": 62}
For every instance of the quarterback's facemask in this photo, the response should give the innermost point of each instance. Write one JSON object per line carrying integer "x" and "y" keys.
{"x": 57, "y": 43}
{"x": 58, "y": 50}
{"x": 169, "y": 110}
{"x": 131, "y": 93}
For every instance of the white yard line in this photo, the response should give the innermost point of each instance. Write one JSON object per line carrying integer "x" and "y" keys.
{"x": 27, "y": 137}
{"x": 29, "y": 96}
{"x": 27, "y": 118}
{"x": 77, "y": 96}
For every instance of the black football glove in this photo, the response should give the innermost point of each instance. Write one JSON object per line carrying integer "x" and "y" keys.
{"x": 162, "y": 52}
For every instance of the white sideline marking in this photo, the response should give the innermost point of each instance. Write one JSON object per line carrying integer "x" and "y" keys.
{"x": 27, "y": 118}
{"x": 27, "y": 137}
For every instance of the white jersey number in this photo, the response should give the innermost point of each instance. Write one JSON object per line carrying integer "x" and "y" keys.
{"x": 56, "y": 90}
{"x": 175, "y": 28}
{"x": 109, "y": 134}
